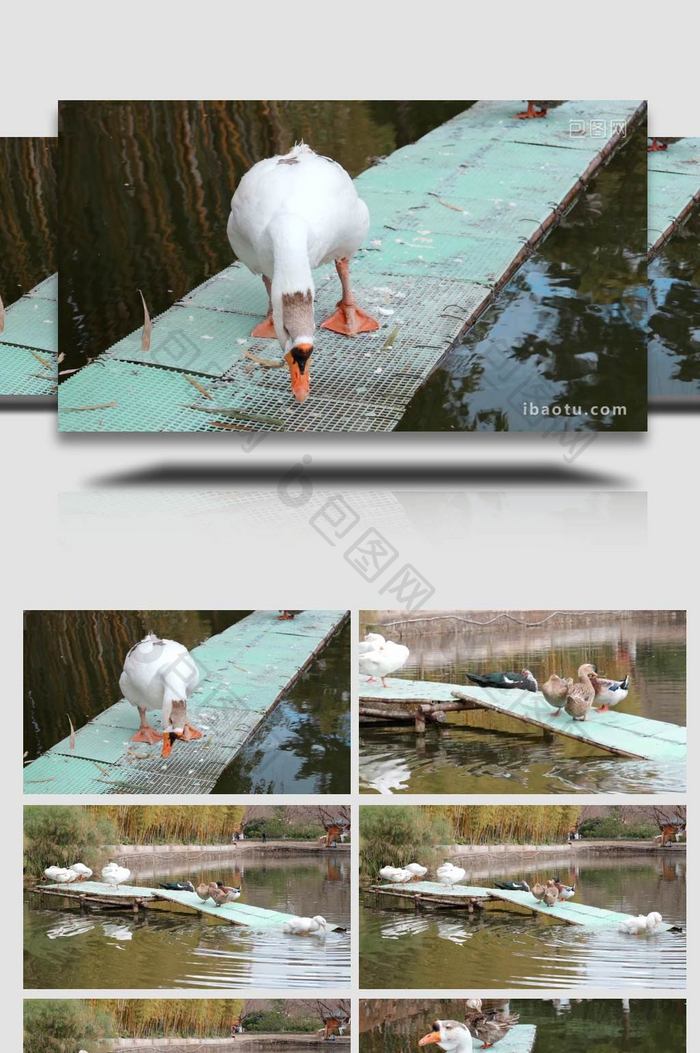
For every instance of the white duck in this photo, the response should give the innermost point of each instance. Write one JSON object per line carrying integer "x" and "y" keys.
{"x": 290, "y": 214}
{"x": 160, "y": 674}
{"x": 417, "y": 870}
{"x": 114, "y": 875}
{"x": 369, "y": 643}
{"x": 642, "y": 923}
{"x": 316, "y": 926}
{"x": 449, "y": 874}
{"x": 383, "y": 660}
{"x": 397, "y": 875}
{"x": 81, "y": 871}
{"x": 61, "y": 875}
{"x": 450, "y": 1035}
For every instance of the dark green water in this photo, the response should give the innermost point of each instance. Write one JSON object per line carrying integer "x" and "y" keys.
{"x": 569, "y": 328}
{"x": 490, "y": 753}
{"x": 674, "y": 316}
{"x": 574, "y": 1025}
{"x": 503, "y": 948}
{"x": 108, "y": 949}
{"x": 72, "y": 664}
{"x": 28, "y": 214}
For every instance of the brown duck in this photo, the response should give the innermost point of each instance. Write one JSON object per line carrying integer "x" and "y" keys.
{"x": 555, "y": 691}
{"x": 490, "y": 1025}
{"x": 579, "y": 698}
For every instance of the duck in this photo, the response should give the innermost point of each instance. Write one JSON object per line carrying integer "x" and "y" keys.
{"x": 160, "y": 674}
{"x": 416, "y": 869}
{"x": 177, "y": 886}
{"x": 523, "y": 680}
{"x": 383, "y": 660}
{"x": 564, "y": 891}
{"x": 203, "y": 892}
{"x": 551, "y": 895}
{"x": 450, "y": 1035}
{"x": 397, "y": 875}
{"x": 555, "y": 690}
{"x": 536, "y": 108}
{"x": 63, "y": 875}
{"x": 113, "y": 874}
{"x": 448, "y": 874}
{"x": 290, "y": 214}
{"x": 579, "y": 698}
{"x": 316, "y": 926}
{"x": 51, "y": 872}
{"x": 610, "y": 692}
{"x": 81, "y": 871}
{"x": 642, "y": 923}
{"x": 370, "y": 642}
{"x": 222, "y": 894}
{"x": 538, "y": 890}
{"x": 513, "y": 886}
{"x": 660, "y": 143}
{"x": 288, "y": 616}
{"x": 489, "y": 1026}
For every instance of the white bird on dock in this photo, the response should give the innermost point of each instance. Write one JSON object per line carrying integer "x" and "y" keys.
{"x": 62, "y": 875}
{"x": 449, "y": 874}
{"x": 609, "y": 693}
{"x": 160, "y": 674}
{"x": 51, "y": 872}
{"x": 114, "y": 875}
{"x": 383, "y": 660}
{"x": 397, "y": 875}
{"x": 82, "y": 872}
{"x": 369, "y": 643}
{"x": 289, "y": 215}
{"x": 450, "y": 1035}
{"x": 417, "y": 870}
{"x": 642, "y": 923}
{"x": 316, "y": 926}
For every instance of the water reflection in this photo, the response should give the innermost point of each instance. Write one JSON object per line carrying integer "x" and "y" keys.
{"x": 161, "y": 949}
{"x": 491, "y": 753}
{"x": 674, "y": 319}
{"x": 502, "y": 948}
{"x": 28, "y": 210}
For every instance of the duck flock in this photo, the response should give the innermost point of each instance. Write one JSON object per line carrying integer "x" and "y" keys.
{"x": 379, "y": 658}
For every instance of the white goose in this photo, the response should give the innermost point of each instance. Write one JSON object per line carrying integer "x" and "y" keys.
{"x": 397, "y": 875}
{"x": 450, "y": 1035}
{"x": 417, "y": 870}
{"x": 383, "y": 660}
{"x": 160, "y": 674}
{"x": 370, "y": 642}
{"x": 290, "y": 214}
{"x": 81, "y": 871}
{"x": 642, "y": 923}
{"x": 449, "y": 874}
{"x": 114, "y": 875}
{"x": 316, "y": 926}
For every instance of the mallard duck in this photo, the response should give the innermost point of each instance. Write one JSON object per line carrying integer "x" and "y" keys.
{"x": 555, "y": 690}
{"x": 383, "y": 660}
{"x": 82, "y": 872}
{"x": 160, "y": 674}
{"x": 489, "y": 1026}
{"x": 513, "y": 886}
{"x": 450, "y": 1035}
{"x": 203, "y": 892}
{"x": 289, "y": 215}
{"x": 538, "y": 890}
{"x": 448, "y": 874}
{"x": 417, "y": 870}
{"x": 288, "y": 616}
{"x": 579, "y": 698}
{"x": 177, "y": 886}
{"x": 610, "y": 693}
{"x": 523, "y": 680}
{"x": 532, "y": 108}
{"x": 370, "y": 642}
{"x": 115, "y": 875}
{"x": 221, "y": 893}
{"x": 316, "y": 926}
{"x": 564, "y": 891}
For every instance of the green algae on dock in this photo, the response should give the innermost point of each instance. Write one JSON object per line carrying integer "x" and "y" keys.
{"x": 29, "y": 343}
{"x": 454, "y": 216}
{"x": 244, "y": 672}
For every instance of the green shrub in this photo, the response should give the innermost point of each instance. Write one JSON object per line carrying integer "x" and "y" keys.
{"x": 58, "y": 835}
{"x": 52, "y": 1026}
{"x": 611, "y": 828}
{"x": 397, "y": 836}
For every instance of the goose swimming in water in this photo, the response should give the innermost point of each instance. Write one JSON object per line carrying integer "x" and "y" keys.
{"x": 160, "y": 674}
{"x": 289, "y": 215}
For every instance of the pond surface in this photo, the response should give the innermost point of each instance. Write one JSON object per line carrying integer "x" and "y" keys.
{"x": 28, "y": 210}
{"x": 504, "y": 948}
{"x": 73, "y": 660}
{"x": 674, "y": 316}
{"x": 163, "y": 949}
{"x": 489, "y": 753}
{"x": 577, "y": 1026}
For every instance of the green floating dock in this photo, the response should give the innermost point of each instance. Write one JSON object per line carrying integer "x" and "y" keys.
{"x": 29, "y": 343}
{"x": 570, "y": 911}
{"x": 619, "y": 733}
{"x": 453, "y": 216}
{"x": 244, "y": 672}
{"x": 233, "y": 913}
{"x": 520, "y": 1039}
{"x": 673, "y": 190}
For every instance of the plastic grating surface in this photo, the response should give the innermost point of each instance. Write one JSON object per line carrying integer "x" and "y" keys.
{"x": 55, "y": 774}
{"x": 46, "y": 290}
{"x": 32, "y": 322}
{"x": 23, "y": 374}
{"x": 450, "y": 216}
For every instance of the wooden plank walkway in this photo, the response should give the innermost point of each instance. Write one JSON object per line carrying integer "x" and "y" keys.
{"x": 620, "y": 733}
{"x": 571, "y": 912}
{"x": 453, "y": 217}
{"x": 244, "y": 672}
{"x": 137, "y": 895}
{"x": 673, "y": 190}
{"x": 29, "y": 343}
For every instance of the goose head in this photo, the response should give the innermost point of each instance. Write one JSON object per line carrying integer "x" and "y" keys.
{"x": 450, "y": 1035}
{"x": 293, "y": 315}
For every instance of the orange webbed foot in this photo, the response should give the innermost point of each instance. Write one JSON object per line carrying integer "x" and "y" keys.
{"x": 265, "y": 330}
{"x": 189, "y": 733}
{"x": 146, "y": 734}
{"x": 349, "y": 320}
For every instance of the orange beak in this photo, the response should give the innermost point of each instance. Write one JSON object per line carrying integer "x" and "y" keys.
{"x": 298, "y": 360}
{"x": 426, "y": 1040}
{"x": 167, "y": 745}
